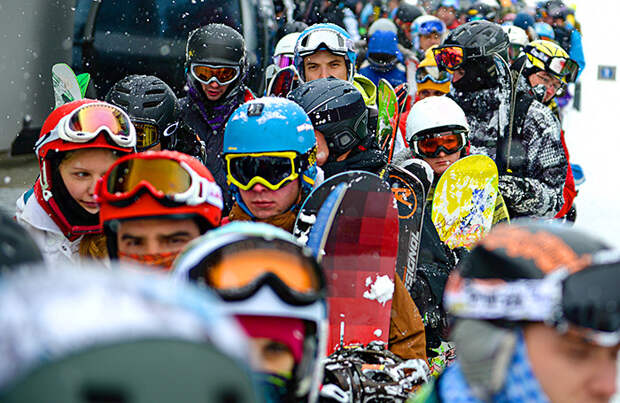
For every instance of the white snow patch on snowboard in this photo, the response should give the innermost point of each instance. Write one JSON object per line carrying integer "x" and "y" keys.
{"x": 381, "y": 290}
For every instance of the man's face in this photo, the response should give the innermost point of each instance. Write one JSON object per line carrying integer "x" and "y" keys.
{"x": 213, "y": 91}
{"x": 552, "y": 84}
{"x": 154, "y": 235}
{"x": 568, "y": 368}
{"x": 266, "y": 203}
{"x": 323, "y": 64}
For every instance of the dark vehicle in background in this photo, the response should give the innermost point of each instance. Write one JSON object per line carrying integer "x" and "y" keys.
{"x": 114, "y": 38}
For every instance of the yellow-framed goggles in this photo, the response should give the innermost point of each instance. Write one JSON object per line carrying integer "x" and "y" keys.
{"x": 270, "y": 169}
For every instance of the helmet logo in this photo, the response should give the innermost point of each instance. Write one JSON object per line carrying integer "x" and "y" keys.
{"x": 255, "y": 109}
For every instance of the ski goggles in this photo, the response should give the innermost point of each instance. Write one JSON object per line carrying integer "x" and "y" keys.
{"x": 448, "y": 142}
{"x": 147, "y": 135}
{"x": 172, "y": 182}
{"x": 283, "y": 60}
{"x": 451, "y": 57}
{"x": 561, "y": 67}
{"x": 85, "y": 123}
{"x": 429, "y": 27}
{"x": 423, "y": 74}
{"x": 239, "y": 270}
{"x": 514, "y": 50}
{"x": 222, "y": 75}
{"x": 327, "y": 39}
{"x": 271, "y": 169}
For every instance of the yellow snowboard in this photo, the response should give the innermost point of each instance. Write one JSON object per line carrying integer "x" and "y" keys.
{"x": 464, "y": 201}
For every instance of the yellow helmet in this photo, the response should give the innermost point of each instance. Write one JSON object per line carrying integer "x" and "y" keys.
{"x": 552, "y": 58}
{"x": 437, "y": 80}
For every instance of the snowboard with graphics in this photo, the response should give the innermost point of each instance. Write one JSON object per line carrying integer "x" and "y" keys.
{"x": 464, "y": 201}
{"x": 387, "y": 120}
{"x": 351, "y": 223}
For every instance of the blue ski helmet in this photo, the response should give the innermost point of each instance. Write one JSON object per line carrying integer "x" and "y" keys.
{"x": 544, "y": 31}
{"x": 272, "y": 124}
{"x": 328, "y": 37}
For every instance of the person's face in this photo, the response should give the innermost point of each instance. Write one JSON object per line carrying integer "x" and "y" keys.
{"x": 442, "y": 161}
{"x": 568, "y": 368}
{"x": 151, "y": 236}
{"x": 322, "y": 151}
{"x": 213, "y": 91}
{"x": 81, "y": 171}
{"x": 323, "y": 64}
{"x": 273, "y": 357}
{"x": 447, "y": 15}
{"x": 426, "y": 41}
{"x": 552, "y": 84}
{"x": 429, "y": 92}
{"x": 266, "y": 203}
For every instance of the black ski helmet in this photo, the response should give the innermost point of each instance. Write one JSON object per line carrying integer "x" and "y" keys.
{"x": 146, "y": 99}
{"x": 217, "y": 45}
{"x": 482, "y": 41}
{"x": 17, "y": 248}
{"x": 408, "y": 12}
{"x": 336, "y": 109}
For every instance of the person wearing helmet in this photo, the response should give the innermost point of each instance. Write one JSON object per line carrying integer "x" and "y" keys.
{"x": 523, "y": 138}
{"x": 406, "y": 13}
{"x": 271, "y": 172}
{"x": 340, "y": 118}
{"x": 118, "y": 335}
{"x": 542, "y": 297}
{"x": 282, "y": 56}
{"x": 277, "y": 290}
{"x": 154, "y": 111}
{"x": 78, "y": 142}
{"x": 427, "y": 31}
{"x": 447, "y": 11}
{"x": 437, "y": 132}
{"x": 544, "y": 31}
{"x": 153, "y": 204}
{"x": 518, "y": 39}
{"x": 326, "y": 50}
{"x": 216, "y": 67}
{"x": 384, "y": 59}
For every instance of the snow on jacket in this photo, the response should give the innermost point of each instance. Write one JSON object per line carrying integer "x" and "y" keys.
{"x": 539, "y": 163}
{"x": 56, "y": 249}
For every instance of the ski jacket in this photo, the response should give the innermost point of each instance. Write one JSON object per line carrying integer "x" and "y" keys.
{"x": 538, "y": 162}
{"x": 395, "y": 76}
{"x": 208, "y": 121}
{"x": 56, "y": 248}
{"x": 367, "y": 156}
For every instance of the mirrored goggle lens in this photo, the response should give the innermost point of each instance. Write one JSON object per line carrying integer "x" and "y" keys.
{"x": 514, "y": 50}
{"x": 223, "y": 75}
{"x": 240, "y": 269}
{"x": 429, "y": 27}
{"x": 146, "y": 135}
{"x": 424, "y": 74}
{"x": 324, "y": 39}
{"x": 166, "y": 176}
{"x": 89, "y": 119}
{"x": 432, "y": 146}
{"x": 283, "y": 61}
{"x": 564, "y": 68}
{"x": 273, "y": 169}
{"x": 450, "y": 57}
{"x": 590, "y": 298}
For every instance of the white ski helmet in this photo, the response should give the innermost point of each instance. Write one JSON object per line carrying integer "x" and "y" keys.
{"x": 516, "y": 35}
{"x": 382, "y": 24}
{"x": 433, "y": 114}
{"x": 286, "y": 45}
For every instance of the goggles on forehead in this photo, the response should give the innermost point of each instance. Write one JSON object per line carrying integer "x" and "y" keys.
{"x": 429, "y": 27}
{"x": 423, "y": 74}
{"x": 561, "y": 67}
{"x": 170, "y": 181}
{"x": 430, "y": 146}
{"x": 238, "y": 271}
{"x": 88, "y": 121}
{"x": 452, "y": 57}
{"x": 271, "y": 169}
{"x": 326, "y": 39}
{"x": 222, "y": 75}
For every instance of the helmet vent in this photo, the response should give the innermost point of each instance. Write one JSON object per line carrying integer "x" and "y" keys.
{"x": 151, "y": 104}
{"x": 155, "y": 91}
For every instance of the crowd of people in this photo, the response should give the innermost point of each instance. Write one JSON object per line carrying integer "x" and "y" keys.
{"x": 154, "y": 258}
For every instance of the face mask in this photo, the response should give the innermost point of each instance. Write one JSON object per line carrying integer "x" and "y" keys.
{"x": 161, "y": 260}
{"x": 274, "y": 386}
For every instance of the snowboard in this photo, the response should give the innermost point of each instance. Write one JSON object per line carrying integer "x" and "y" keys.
{"x": 67, "y": 86}
{"x": 387, "y": 120}
{"x": 282, "y": 82}
{"x": 410, "y": 195}
{"x": 351, "y": 223}
{"x": 464, "y": 201}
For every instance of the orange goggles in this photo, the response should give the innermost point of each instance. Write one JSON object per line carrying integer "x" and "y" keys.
{"x": 451, "y": 57}
{"x": 221, "y": 74}
{"x": 238, "y": 272}
{"x": 448, "y": 142}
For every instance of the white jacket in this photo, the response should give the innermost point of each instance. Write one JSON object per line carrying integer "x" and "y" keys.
{"x": 56, "y": 249}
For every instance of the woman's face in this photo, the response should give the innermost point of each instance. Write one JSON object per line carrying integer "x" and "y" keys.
{"x": 81, "y": 170}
